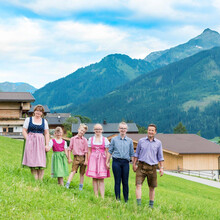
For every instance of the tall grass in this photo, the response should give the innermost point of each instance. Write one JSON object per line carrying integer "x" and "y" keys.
{"x": 21, "y": 197}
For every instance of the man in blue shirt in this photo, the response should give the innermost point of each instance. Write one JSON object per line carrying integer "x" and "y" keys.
{"x": 122, "y": 151}
{"x": 148, "y": 154}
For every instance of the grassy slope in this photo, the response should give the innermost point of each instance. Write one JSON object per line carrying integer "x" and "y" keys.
{"x": 21, "y": 197}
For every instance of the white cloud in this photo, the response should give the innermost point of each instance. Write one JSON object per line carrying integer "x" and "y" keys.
{"x": 50, "y": 50}
{"x": 216, "y": 4}
{"x": 19, "y": 37}
{"x": 58, "y": 7}
{"x": 149, "y": 8}
{"x": 132, "y": 9}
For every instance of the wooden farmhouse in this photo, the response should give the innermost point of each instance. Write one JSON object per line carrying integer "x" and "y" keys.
{"x": 109, "y": 129}
{"x": 184, "y": 152}
{"x": 14, "y": 107}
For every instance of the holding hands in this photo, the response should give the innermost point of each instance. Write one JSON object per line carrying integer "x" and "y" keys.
{"x": 47, "y": 148}
{"x": 134, "y": 167}
{"x": 108, "y": 165}
{"x": 70, "y": 160}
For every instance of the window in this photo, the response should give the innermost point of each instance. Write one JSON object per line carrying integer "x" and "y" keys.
{"x": 10, "y": 129}
{"x": 4, "y": 129}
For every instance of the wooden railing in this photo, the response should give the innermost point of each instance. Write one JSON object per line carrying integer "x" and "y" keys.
{"x": 209, "y": 174}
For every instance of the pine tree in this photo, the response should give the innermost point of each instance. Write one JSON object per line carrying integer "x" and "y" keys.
{"x": 180, "y": 129}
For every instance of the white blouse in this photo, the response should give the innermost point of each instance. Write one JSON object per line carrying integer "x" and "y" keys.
{"x": 98, "y": 143}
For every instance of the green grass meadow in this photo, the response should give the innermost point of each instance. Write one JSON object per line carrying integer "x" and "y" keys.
{"x": 21, "y": 197}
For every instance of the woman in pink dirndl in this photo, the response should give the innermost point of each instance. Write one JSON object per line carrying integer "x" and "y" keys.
{"x": 98, "y": 148}
{"x": 36, "y": 134}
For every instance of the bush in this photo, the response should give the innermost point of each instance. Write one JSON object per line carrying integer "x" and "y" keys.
{"x": 69, "y": 134}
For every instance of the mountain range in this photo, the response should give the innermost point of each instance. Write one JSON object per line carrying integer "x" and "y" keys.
{"x": 97, "y": 80}
{"x": 207, "y": 40}
{"x": 91, "y": 82}
{"x": 181, "y": 91}
{"x": 177, "y": 84}
{"x": 16, "y": 87}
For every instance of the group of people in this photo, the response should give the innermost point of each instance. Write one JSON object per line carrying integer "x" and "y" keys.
{"x": 92, "y": 157}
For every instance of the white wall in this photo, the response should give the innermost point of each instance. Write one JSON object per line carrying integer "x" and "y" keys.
{"x": 15, "y": 128}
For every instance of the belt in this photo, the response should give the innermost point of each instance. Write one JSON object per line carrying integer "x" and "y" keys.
{"x": 154, "y": 165}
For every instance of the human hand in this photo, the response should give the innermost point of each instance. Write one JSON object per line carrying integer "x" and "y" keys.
{"x": 161, "y": 171}
{"x": 47, "y": 148}
{"x": 134, "y": 167}
{"x": 86, "y": 162}
{"x": 108, "y": 165}
{"x": 70, "y": 161}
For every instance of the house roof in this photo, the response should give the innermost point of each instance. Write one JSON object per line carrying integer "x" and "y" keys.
{"x": 55, "y": 120}
{"x": 16, "y": 97}
{"x": 58, "y": 118}
{"x": 46, "y": 109}
{"x": 184, "y": 143}
{"x": 110, "y": 128}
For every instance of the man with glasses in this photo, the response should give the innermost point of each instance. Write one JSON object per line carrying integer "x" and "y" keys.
{"x": 148, "y": 154}
{"x": 122, "y": 151}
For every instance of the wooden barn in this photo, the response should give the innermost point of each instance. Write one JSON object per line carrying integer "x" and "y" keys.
{"x": 14, "y": 107}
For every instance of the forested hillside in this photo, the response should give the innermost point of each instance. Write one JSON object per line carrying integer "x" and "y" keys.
{"x": 91, "y": 82}
{"x": 187, "y": 91}
{"x": 119, "y": 87}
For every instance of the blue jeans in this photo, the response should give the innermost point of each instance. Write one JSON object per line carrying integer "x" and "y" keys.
{"x": 120, "y": 169}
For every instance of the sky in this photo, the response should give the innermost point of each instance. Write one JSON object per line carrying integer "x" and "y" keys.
{"x": 44, "y": 40}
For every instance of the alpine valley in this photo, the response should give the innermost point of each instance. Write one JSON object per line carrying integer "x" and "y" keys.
{"x": 178, "y": 84}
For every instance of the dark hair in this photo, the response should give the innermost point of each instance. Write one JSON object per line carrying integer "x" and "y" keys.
{"x": 152, "y": 125}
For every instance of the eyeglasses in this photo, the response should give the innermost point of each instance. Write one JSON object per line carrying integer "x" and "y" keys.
{"x": 123, "y": 128}
{"x": 98, "y": 129}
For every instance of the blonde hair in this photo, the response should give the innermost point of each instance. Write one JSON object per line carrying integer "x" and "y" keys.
{"x": 123, "y": 123}
{"x": 58, "y": 129}
{"x": 84, "y": 126}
